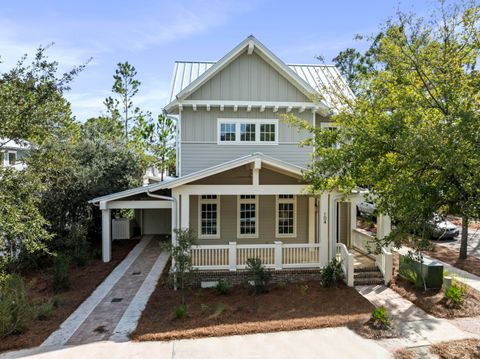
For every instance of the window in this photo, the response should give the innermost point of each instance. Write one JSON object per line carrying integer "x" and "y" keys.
{"x": 12, "y": 158}
{"x": 247, "y": 216}
{"x": 251, "y": 131}
{"x": 286, "y": 216}
{"x": 227, "y": 132}
{"x": 209, "y": 218}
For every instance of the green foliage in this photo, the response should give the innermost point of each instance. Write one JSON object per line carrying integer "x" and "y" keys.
{"x": 332, "y": 273}
{"x": 412, "y": 276}
{"x": 304, "y": 289}
{"x": 15, "y": 309}
{"x": 223, "y": 287}
{"x": 58, "y": 301}
{"x": 182, "y": 269}
{"x": 61, "y": 272}
{"x": 77, "y": 244}
{"x": 181, "y": 311}
{"x": 258, "y": 275}
{"x": 455, "y": 295}
{"x": 44, "y": 310}
{"x": 381, "y": 318}
{"x": 282, "y": 285}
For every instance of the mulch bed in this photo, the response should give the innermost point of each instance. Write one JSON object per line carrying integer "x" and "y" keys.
{"x": 83, "y": 281}
{"x": 458, "y": 349}
{"x": 370, "y": 331}
{"x": 292, "y": 307}
{"x": 433, "y": 301}
{"x": 448, "y": 255}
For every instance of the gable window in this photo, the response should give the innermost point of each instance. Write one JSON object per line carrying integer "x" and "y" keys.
{"x": 228, "y": 132}
{"x": 11, "y": 158}
{"x": 209, "y": 220}
{"x": 286, "y": 216}
{"x": 248, "y": 131}
{"x": 247, "y": 216}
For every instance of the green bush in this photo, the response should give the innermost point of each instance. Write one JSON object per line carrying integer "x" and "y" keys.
{"x": 412, "y": 276}
{"x": 15, "y": 309}
{"x": 455, "y": 295}
{"x": 282, "y": 285}
{"x": 58, "y": 301}
{"x": 304, "y": 289}
{"x": 44, "y": 310}
{"x": 223, "y": 287}
{"x": 61, "y": 272}
{"x": 332, "y": 273}
{"x": 181, "y": 311}
{"x": 77, "y": 244}
{"x": 258, "y": 276}
{"x": 380, "y": 317}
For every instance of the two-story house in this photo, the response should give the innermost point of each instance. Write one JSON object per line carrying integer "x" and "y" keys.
{"x": 240, "y": 185}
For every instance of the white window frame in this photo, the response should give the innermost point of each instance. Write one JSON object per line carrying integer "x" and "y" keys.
{"x": 257, "y": 210}
{"x": 7, "y": 159}
{"x": 208, "y": 201}
{"x": 238, "y": 122}
{"x": 278, "y": 201}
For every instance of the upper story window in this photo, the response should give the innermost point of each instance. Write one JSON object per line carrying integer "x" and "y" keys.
{"x": 8, "y": 158}
{"x": 247, "y": 131}
{"x": 333, "y": 128}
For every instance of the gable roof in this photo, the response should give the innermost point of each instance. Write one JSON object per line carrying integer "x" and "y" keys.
{"x": 270, "y": 161}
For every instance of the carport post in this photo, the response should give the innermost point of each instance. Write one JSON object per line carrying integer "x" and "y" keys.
{"x": 106, "y": 232}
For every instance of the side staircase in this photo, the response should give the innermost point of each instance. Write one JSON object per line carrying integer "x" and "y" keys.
{"x": 367, "y": 276}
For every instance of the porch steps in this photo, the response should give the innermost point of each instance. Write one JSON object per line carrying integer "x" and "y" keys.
{"x": 367, "y": 276}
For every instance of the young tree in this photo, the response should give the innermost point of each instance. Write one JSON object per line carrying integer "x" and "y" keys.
{"x": 411, "y": 135}
{"x": 163, "y": 144}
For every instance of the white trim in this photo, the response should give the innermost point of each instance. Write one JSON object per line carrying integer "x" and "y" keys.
{"x": 257, "y": 210}
{"x": 278, "y": 201}
{"x": 244, "y": 189}
{"x": 207, "y": 201}
{"x": 235, "y": 104}
{"x": 238, "y": 122}
{"x": 139, "y": 204}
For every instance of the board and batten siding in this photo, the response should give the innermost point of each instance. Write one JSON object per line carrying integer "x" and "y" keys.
{"x": 249, "y": 78}
{"x": 199, "y": 148}
{"x": 266, "y": 218}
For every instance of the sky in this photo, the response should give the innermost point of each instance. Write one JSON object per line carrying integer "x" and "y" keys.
{"x": 151, "y": 35}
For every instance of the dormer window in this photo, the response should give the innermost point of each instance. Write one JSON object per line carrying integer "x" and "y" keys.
{"x": 247, "y": 131}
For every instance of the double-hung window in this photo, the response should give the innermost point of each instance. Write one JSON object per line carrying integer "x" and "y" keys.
{"x": 247, "y": 216}
{"x": 286, "y": 216}
{"x": 209, "y": 213}
{"x": 247, "y": 131}
{"x": 12, "y": 158}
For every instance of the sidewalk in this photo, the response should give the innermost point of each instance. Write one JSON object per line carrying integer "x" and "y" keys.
{"x": 114, "y": 308}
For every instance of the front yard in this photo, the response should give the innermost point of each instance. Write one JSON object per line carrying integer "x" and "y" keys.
{"x": 290, "y": 306}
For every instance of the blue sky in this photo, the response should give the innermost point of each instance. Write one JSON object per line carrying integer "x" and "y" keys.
{"x": 153, "y": 34}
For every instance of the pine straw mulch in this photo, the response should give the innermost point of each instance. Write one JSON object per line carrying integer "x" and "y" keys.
{"x": 448, "y": 255}
{"x": 370, "y": 330}
{"x": 433, "y": 301}
{"x": 83, "y": 281}
{"x": 292, "y": 307}
{"x": 457, "y": 349}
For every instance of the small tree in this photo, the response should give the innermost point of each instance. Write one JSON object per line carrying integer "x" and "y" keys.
{"x": 163, "y": 144}
{"x": 182, "y": 267}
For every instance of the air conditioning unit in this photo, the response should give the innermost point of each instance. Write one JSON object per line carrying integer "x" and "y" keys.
{"x": 122, "y": 228}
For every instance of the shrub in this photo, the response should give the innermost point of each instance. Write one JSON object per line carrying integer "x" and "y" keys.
{"x": 332, "y": 273}
{"x": 380, "y": 317}
{"x": 412, "y": 276}
{"x": 258, "y": 276}
{"x": 282, "y": 285}
{"x": 15, "y": 309}
{"x": 58, "y": 301}
{"x": 223, "y": 287}
{"x": 77, "y": 244}
{"x": 181, "y": 311}
{"x": 304, "y": 289}
{"x": 44, "y": 310}
{"x": 61, "y": 272}
{"x": 455, "y": 295}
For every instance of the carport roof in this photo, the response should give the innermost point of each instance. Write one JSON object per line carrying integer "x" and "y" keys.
{"x": 177, "y": 182}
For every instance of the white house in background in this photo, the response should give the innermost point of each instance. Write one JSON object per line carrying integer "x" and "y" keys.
{"x": 12, "y": 153}
{"x": 240, "y": 184}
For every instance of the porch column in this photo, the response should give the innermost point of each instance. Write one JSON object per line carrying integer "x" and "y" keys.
{"x": 175, "y": 215}
{"x": 384, "y": 226}
{"x": 106, "y": 235}
{"x": 185, "y": 211}
{"x": 323, "y": 220}
{"x": 311, "y": 220}
{"x": 353, "y": 211}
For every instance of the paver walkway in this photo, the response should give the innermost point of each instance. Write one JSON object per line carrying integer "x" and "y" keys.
{"x": 417, "y": 328}
{"x": 116, "y": 305}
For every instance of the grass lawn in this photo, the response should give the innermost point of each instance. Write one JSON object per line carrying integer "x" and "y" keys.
{"x": 291, "y": 307}
{"x": 433, "y": 301}
{"x": 83, "y": 281}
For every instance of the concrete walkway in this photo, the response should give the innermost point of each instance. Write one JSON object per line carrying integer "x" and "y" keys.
{"x": 114, "y": 308}
{"x": 318, "y": 343}
{"x": 417, "y": 328}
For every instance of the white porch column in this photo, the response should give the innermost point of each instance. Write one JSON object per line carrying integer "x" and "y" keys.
{"x": 311, "y": 220}
{"x": 175, "y": 215}
{"x": 185, "y": 211}
{"x": 353, "y": 212}
{"x": 106, "y": 235}
{"x": 384, "y": 226}
{"x": 324, "y": 238}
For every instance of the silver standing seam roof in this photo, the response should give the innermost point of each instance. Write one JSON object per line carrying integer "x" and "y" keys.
{"x": 319, "y": 77}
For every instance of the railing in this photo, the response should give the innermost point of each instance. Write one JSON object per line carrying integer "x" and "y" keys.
{"x": 234, "y": 256}
{"x": 346, "y": 258}
{"x": 385, "y": 264}
{"x": 363, "y": 241}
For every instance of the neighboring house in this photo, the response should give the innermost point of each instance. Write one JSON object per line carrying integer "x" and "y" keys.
{"x": 12, "y": 153}
{"x": 240, "y": 184}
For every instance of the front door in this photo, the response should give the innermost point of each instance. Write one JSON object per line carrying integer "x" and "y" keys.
{"x": 343, "y": 223}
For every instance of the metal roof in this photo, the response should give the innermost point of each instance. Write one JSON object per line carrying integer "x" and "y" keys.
{"x": 14, "y": 145}
{"x": 319, "y": 77}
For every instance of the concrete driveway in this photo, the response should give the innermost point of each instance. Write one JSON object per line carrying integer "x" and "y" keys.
{"x": 318, "y": 343}
{"x": 473, "y": 248}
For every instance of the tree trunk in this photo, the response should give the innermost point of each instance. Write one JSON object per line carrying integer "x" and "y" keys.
{"x": 463, "y": 244}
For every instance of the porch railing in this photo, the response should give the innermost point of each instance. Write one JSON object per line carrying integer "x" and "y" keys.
{"x": 277, "y": 255}
{"x": 384, "y": 262}
{"x": 346, "y": 258}
{"x": 363, "y": 241}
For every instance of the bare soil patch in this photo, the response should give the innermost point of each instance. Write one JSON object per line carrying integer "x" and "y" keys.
{"x": 433, "y": 302}
{"x": 292, "y": 307}
{"x": 471, "y": 264}
{"x": 458, "y": 349}
{"x": 83, "y": 281}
